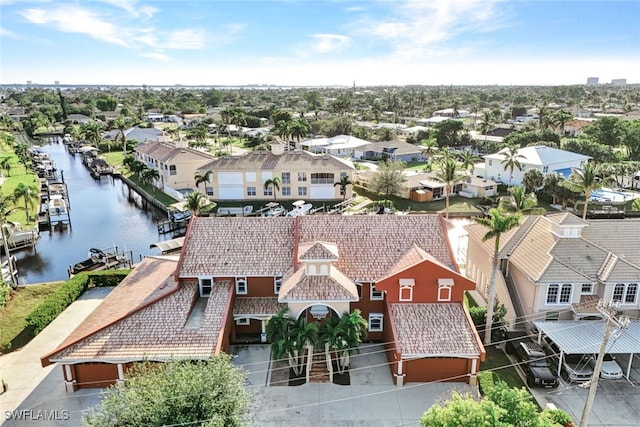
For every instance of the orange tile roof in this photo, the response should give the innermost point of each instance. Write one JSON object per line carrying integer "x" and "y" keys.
{"x": 256, "y": 306}
{"x": 333, "y": 287}
{"x": 434, "y": 330}
{"x": 317, "y": 251}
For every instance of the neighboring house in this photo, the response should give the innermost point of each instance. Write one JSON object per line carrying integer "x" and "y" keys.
{"x": 175, "y": 162}
{"x": 478, "y": 187}
{"x": 451, "y": 113}
{"x": 558, "y": 265}
{"x": 393, "y": 150}
{"x": 233, "y": 274}
{"x": 135, "y": 133}
{"x": 78, "y": 118}
{"x": 545, "y": 159}
{"x": 303, "y": 175}
{"x": 340, "y": 145}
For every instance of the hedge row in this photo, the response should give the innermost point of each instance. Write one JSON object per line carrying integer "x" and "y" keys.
{"x": 58, "y": 301}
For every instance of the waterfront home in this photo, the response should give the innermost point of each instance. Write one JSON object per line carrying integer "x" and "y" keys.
{"x": 234, "y": 273}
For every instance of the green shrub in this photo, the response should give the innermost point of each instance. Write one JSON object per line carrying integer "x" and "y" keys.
{"x": 104, "y": 278}
{"x": 5, "y": 294}
{"x": 55, "y": 304}
{"x": 486, "y": 381}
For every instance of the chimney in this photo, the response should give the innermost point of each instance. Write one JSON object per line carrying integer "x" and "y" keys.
{"x": 277, "y": 148}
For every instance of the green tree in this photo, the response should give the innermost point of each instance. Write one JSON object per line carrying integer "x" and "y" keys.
{"x": 106, "y": 103}
{"x": 299, "y": 129}
{"x": 450, "y": 175}
{"x": 467, "y": 158}
{"x": 204, "y": 393}
{"x": 121, "y": 124}
{"x": 29, "y": 194}
{"x": 6, "y": 208}
{"x": 497, "y": 223}
{"x": 5, "y": 165}
{"x": 343, "y": 183}
{"x": 511, "y": 160}
{"x": 428, "y": 148}
{"x": 275, "y": 183}
{"x": 519, "y": 200}
{"x": 584, "y": 181}
{"x": 149, "y": 175}
{"x": 290, "y": 338}
{"x": 560, "y": 118}
{"x": 631, "y": 139}
{"x": 532, "y": 180}
{"x": 447, "y": 132}
{"x": 388, "y": 178}
{"x": 463, "y": 410}
{"x": 196, "y": 201}
{"x": 202, "y": 177}
{"x": 92, "y": 132}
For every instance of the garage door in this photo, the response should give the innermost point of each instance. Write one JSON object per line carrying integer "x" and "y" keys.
{"x": 323, "y": 192}
{"x": 230, "y": 185}
{"x": 95, "y": 375}
{"x": 441, "y": 369}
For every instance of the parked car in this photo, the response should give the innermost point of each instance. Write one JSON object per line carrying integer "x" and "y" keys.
{"x": 610, "y": 369}
{"x": 513, "y": 338}
{"x": 536, "y": 365}
{"x": 575, "y": 367}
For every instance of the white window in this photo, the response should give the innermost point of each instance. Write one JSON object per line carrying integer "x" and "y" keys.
{"x": 243, "y": 321}
{"x": 375, "y": 322}
{"x": 375, "y": 295}
{"x": 251, "y": 191}
{"x": 545, "y": 169}
{"x": 172, "y": 170}
{"x": 286, "y": 191}
{"x": 206, "y": 285}
{"x": 286, "y": 177}
{"x": 209, "y": 191}
{"x": 625, "y": 293}
{"x": 302, "y": 176}
{"x": 268, "y": 191}
{"x": 241, "y": 285}
{"x": 302, "y": 191}
{"x": 406, "y": 289}
{"x": 277, "y": 283}
{"x": 559, "y": 294}
{"x": 444, "y": 289}
{"x": 587, "y": 289}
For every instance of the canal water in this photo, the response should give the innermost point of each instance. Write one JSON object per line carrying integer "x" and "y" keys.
{"x": 104, "y": 214}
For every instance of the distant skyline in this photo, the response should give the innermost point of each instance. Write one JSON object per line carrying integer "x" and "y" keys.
{"x": 319, "y": 42}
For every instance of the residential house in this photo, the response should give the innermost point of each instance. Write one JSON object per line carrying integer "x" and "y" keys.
{"x": 554, "y": 267}
{"x": 303, "y": 175}
{"x": 545, "y": 159}
{"x": 234, "y": 273}
{"x": 175, "y": 162}
{"x": 79, "y": 119}
{"x": 135, "y": 133}
{"x": 452, "y": 113}
{"x": 340, "y": 145}
{"x": 392, "y": 150}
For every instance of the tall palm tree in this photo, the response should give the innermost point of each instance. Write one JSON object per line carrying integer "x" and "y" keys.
{"x": 584, "y": 181}
{"x": 149, "y": 175}
{"x": 467, "y": 158}
{"x": 353, "y": 330}
{"x": 449, "y": 175}
{"x": 305, "y": 335}
{"x": 121, "y": 124}
{"x": 519, "y": 201}
{"x": 498, "y": 222}
{"x": 6, "y": 209}
{"x": 343, "y": 183}
{"x": 202, "y": 177}
{"x": 429, "y": 147}
{"x": 299, "y": 128}
{"x": 275, "y": 183}
{"x": 92, "y": 132}
{"x": 195, "y": 202}
{"x": 511, "y": 160}
{"x": 5, "y": 165}
{"x": 29, "y": 193}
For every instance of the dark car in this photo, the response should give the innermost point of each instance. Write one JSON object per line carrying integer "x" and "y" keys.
{"x": 536, "y": 365}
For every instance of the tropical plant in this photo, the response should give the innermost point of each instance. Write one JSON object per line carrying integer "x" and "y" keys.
{"x": 202, "y": 177}
{"x": 532, "y": 180}
{"x": 519, "y": 200}
{"x": 498, "y": 222}
{"x": 149, "y": 175}
{"x": 5, "y": 165}
{"x": 428, "y": 148}
{"x": 290, "y": 338}
{"x": 28, "y": 193}
{"x": 121, "y": 124}
{"x": 6, "y": 209}
{"x": 467, "y": 158}
{"x": 195, "y": 202}
{"x": 298, "y": 129}
{"x": 275, "y": 183}
{"x": 449, "y": 175}
{"x": 511, "y": 160}
{"x": 388, "y": 178}
{"x": 583, "y": 181}
{"x": 92, "y": 132}
{"x": 343, "y": 183}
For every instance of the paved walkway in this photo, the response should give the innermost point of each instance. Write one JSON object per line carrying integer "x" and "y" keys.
{"x": 32, "y": 387}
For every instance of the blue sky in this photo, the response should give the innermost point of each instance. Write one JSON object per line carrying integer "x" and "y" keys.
{"x": 320, "y": 42}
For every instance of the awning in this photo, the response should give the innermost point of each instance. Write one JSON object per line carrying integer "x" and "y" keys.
{"x": 168, "y": 246}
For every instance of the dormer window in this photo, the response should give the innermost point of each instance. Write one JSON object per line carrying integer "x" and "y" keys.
{"x": 206, "y": 286}
{"x": 444, "y": 289}
{"x": 375, "y": 295}
{"x": 241, "y": 285}
{"x": 277, "y": 283}
{"x": 406, "y": 290}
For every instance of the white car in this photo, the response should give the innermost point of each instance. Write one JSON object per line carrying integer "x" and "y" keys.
{"x": 610, "y": 368}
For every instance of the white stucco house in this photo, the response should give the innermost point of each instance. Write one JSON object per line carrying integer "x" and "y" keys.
{"x": 545, "y": 159}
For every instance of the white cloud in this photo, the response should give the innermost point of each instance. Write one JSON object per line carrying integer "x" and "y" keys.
{"x": 74, "y": 19}
{"x": 132, "y": 7}
{"x": 323, "y": 43}
{"x": 158, "y": 56}
{"x": 10, "y": 34}
{"x": 185, "y": 39}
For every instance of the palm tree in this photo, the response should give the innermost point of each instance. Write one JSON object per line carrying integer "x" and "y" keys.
{"x": 6, "y": 209}
{"x": 519, "y": 201}
{"x": 149, "y": 175}
{"x": 92, "y": 132}
{"x": 120, "y": 123}
{"x": 511, "y": 160}
{"x": 5, "y": 165}
{"x": 344, "y": 181}
{"x": 450, "y": 176}
{"x": 467, "y": 158}
{"x": 202, "y": 177}
{"x": 353, "y": 330}
{"x": 29, "y": 193}
{"x": 195, "y": 202}
{"x": 498, "y": 222}
{"x": 305, "y": 336}
{"x": 428, "y": 148}
{"x": 298, "y": 129}
{"x": 584, "y": 181}
{"x": 273, "y": 182}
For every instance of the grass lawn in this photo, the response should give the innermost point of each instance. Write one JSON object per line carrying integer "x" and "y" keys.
{"x": 495, "y": 361}
{"x": 114, "y": 158}
{"x": 13, "y": 332}
{"x": 16, "y": 175}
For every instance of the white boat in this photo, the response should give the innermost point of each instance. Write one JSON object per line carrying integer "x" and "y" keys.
{"x": 17, "y": 237}
{"x": 300, "y": 208}
{"x": 57, "y": 208}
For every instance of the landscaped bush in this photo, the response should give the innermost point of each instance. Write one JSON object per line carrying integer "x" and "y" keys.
{"x": 101, "y": 279}
{"x": 55, "y": 304}
{"x": 5, "y": 294}
{"x": 486, "y": 381}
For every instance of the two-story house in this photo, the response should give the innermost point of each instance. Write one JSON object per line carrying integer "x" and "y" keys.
{"x": 302, "y": 175}
{"x": 545, "y": 159}
{"x": 555, "y": 267}
{"x": 233, "y": 274}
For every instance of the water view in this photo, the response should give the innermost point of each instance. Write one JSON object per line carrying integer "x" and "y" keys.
{"x": 104, "y": 214}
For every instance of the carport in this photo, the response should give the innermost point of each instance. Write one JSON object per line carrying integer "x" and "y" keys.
{"x": 585, "y": 337}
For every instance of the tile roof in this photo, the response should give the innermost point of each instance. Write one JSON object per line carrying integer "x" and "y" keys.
{"x": 433, "y": 330}
{"x": 256, "y": 306}
{"x": 167, "y": 152}
{"x": 368, "y": 245}
{"x": 318, "y": 251}
{"x": 266, "y": 160}
{"x": 151, "y": 280}
{"x": 157, "y": 331}
{"x": 298, "y": 286}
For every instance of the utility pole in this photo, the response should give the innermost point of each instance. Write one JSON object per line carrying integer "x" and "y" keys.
{"x": 608, "y": 310}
